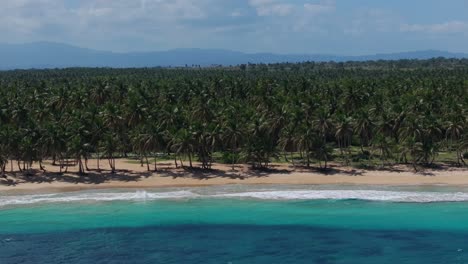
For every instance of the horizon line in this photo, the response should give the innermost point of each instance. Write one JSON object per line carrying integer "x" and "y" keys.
{"x": 236, "y": 51}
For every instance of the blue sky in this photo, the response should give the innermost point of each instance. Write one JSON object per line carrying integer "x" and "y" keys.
{"x": 347, "y": 27}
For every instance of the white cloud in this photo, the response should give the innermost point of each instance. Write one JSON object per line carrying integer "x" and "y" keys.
{"x": 285, "y": 8}
{"x": 118, "y": 25}
{"x": 372, "y": 20}
{"x": 151, "y": 9}
{"x": 272, "y": 8}
{"x": 271, "y": 25}
{"x": 314, "y": 17}
{"x": 24, "y": 17}
{"x": 447, "y": 27}
{"x": 321, "y": 7}
{"x": 236, "y": 13}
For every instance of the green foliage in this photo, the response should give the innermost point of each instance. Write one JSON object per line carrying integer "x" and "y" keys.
{"x": 386, "y": 111}
{"x": 229, "y": 158}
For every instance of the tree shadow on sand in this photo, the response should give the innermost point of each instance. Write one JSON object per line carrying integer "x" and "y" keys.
{"x": 263, "y": 172}
{"x": 200, "y": 174}
{"x": 329, "y": 171}
{"x": 99, "y": 177}
{"x": 7, "y": 181}
{"x": 92, "y": 177}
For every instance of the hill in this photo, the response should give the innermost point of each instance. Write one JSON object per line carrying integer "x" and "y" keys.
{"x": 55, "y": 55}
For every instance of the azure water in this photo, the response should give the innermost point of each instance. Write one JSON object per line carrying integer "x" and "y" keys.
{"x": 236, "y": 224}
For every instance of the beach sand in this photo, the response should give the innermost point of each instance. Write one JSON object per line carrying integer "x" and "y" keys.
{"x": 130, "y": 174}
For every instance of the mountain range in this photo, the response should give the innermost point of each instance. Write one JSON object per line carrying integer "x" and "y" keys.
{"x": 56, "y": 55}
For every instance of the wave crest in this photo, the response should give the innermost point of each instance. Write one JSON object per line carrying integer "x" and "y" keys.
{"x": 368, "y": 195}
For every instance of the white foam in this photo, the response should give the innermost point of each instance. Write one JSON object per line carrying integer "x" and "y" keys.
{"x": 265, "y": 194}
{"x": 370, "y": 195}
{"x": 93, "y": 196}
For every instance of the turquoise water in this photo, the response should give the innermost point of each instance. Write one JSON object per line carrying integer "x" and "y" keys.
{"x": 237, "y": 225}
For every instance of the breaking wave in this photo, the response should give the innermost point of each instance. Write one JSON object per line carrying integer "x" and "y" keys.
{"x": 369, "y": 195}
{"x": 93, "y": 196}
{"x": 220, "y": 193}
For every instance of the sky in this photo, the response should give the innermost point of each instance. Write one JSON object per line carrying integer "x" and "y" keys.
{"x": 341, "y": 27}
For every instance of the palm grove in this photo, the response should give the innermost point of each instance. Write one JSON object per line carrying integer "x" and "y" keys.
{"x": 372, "y": 113}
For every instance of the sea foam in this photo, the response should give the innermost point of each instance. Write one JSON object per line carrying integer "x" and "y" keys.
{"x": 370, "y": 195}
{"x": 260, "y": 194}
{"x": 93, "y": 196}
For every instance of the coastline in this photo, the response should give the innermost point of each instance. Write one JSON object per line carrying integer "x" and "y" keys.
{"x": 136, "y": 177}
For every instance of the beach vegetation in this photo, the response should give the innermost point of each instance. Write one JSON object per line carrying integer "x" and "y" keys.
{"x": 365, "y": 114}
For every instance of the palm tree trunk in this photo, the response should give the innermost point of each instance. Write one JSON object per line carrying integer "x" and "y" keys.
{"x": 382, "y": 159}
{"x": 147, "y": 163}
{"x": 98, "y": 158}
{"x": 232, "y": 157}
{"x": 112, "y": 163}
{"x": 86, "y": 163}
{"x": 41, "y": 167}
{"x": 80, "y": 166}
{"x": 181, "y": 163}
{"x": 3, "y": 169}
{"x": 175, "y": 161}
{"x": 155, "y": 162}
{"x": 292, "y": 158}
{"x": 326, "y": 161}
{"x": 190, "y": 159}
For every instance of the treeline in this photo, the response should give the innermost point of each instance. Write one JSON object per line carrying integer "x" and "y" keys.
{"x": 393, "y": 111}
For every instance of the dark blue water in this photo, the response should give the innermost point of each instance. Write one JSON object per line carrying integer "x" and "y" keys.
{"x": 234, "y": 244}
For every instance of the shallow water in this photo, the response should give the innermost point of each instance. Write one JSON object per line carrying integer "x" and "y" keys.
{"x": 273, "y": 224}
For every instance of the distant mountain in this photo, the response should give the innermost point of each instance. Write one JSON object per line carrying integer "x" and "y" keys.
{"x": 56, "y": 55}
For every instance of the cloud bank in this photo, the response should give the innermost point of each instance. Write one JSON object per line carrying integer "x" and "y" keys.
{"x": 285, "y": 26}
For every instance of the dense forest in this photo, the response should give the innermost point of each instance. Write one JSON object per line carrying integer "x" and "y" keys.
{"x": 357, "y": 113}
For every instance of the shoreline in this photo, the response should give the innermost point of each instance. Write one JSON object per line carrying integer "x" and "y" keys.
{"x": 136, "y": 177}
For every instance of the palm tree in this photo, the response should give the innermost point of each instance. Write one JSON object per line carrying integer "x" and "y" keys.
{"x": 109, "y": 148}
{"x": 287, "y": 142}
{"x": 138, "y": 144}
{"x": 322, "y": 152}
{"x": 462, "y": 147}
{"x": 183, "y": 143}
{"x": 3, "y": 150}
{"x": 153, "y": 140}
{"x": 305, "y": 140}
{"x": 364, "y": 127}
{"x": 453, "y": 135}
{"x": 260, "y": 146}
{"x": 323, "y": 124}
{"x": 232, "y": 135}
{"x": 383, "y": 147}
{"x": 344, "y": 134}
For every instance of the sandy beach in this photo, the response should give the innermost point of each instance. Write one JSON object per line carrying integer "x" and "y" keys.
{"x": 132, "y": 175}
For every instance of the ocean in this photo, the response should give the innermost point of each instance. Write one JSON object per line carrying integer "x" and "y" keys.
{"x": 238, "y": 224}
